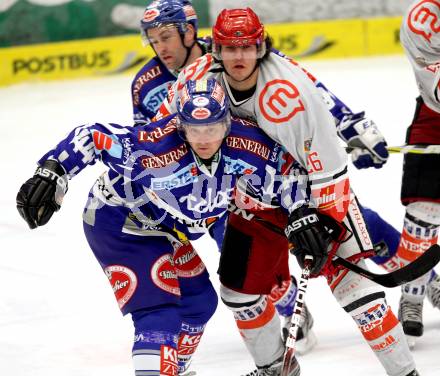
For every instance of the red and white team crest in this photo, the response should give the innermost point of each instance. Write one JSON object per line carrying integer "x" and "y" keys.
{"x": 279, "y": 101}
{"x": 123, "y": 281}
{"x": 187, "y": 262}
{"x": 164, "y": 275}
{"x": 150, "y": 15}
{"x": 190, "y": 13}
{"x": 201, "y": 113}
{"x": 200, "y": 101}
{"x": 423, "y": 19}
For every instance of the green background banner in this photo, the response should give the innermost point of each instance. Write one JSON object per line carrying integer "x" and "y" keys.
{"x": 24, "y": 22}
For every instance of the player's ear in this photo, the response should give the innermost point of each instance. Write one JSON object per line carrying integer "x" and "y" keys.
{"x": 190, "y": 36}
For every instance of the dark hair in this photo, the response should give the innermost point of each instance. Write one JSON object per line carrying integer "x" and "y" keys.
{"x": 269, "y": 44}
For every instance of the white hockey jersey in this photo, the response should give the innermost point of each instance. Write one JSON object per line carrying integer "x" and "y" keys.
{"x": 289, "y": 108}
{"x": 420, "y": 37}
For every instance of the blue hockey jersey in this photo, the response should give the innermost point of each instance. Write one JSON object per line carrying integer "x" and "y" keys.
{"x": 155, "y": 181}
{"x": 150, "y": 86}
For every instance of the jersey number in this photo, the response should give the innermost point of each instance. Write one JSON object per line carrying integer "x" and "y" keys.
{"x": 314, "y": 163}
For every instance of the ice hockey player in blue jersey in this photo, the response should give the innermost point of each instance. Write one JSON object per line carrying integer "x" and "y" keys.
{"x": 168, "y": 183}
{"x": 170, "y": 27}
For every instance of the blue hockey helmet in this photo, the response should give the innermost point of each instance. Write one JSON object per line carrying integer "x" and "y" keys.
{"x": 178, "y": 13}
{"x": 203, "y": 111}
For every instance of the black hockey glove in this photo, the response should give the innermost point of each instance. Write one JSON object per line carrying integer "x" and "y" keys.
{"x": 42, "y": 194}
{"x": 308, "y": 236}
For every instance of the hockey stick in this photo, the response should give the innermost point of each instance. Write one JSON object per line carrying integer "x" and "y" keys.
{"x": 410, "y": 272}
{"x": 415, "y": 149}
{"x": 295, "y": 321}
{"x": 405, "y": 149}
{"x": 420, "y": 266}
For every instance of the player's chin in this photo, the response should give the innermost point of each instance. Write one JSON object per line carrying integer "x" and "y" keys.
{"x": 240, "y": 74}
{"x": 170, "y": 63}
{"x": 205, "y": 153}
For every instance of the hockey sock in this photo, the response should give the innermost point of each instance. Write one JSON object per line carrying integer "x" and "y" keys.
{"x": 155, "y": 342}
{"x": 189, "y": 340}
{"x": 198, "y": 304}
{"x": 283, "y": 297}
{"x": 383, "y": 332}
{"x": 420, "y": 231}
{"x": 417, "y": 236}
{"x": 258, "y": 323}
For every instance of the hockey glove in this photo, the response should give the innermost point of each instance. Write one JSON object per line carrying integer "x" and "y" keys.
{"x": 368, "y": 143}
{"x": 308, "y": 236}
{"x": 42, "y": 194}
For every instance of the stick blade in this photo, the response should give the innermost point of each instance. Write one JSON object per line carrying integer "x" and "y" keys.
{"x": 412, "y": 271}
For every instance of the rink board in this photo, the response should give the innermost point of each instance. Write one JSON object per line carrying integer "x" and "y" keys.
{"x": 115, "y": 55}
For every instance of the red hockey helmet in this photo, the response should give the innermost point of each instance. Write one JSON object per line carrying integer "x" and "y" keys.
{"x": 238, "y": 27}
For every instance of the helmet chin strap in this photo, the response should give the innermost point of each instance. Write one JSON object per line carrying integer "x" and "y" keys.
{"x": 187, "y": 55}
{"x": 188, "y": 51}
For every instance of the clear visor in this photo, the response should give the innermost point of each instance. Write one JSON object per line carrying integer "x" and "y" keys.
{"x": 239, "y": 52}
{"x": 160, "y": 32}
{"x": 205, "y": 133}
{"x": 248, "y": 52}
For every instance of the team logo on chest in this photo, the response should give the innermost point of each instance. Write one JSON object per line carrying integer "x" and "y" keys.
{"x": 279, "y": 101}
{"x": 423, "y": 19}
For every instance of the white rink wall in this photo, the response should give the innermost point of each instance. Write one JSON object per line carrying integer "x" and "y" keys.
{"x": 307, "y": 10}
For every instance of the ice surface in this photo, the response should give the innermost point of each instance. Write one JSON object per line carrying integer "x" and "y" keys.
{"x": 57, "y": 313}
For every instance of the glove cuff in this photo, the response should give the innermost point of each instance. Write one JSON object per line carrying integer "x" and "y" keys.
{"x": 301, "y": 219}
{"x": 51, "y": 170}
{"x": 346, "y": 129}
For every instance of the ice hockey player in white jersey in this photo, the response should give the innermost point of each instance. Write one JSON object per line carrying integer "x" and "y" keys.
{"x": 420, "y": 37}
{"x": 273, "y": 90}
{"x": 170, "y": 27}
